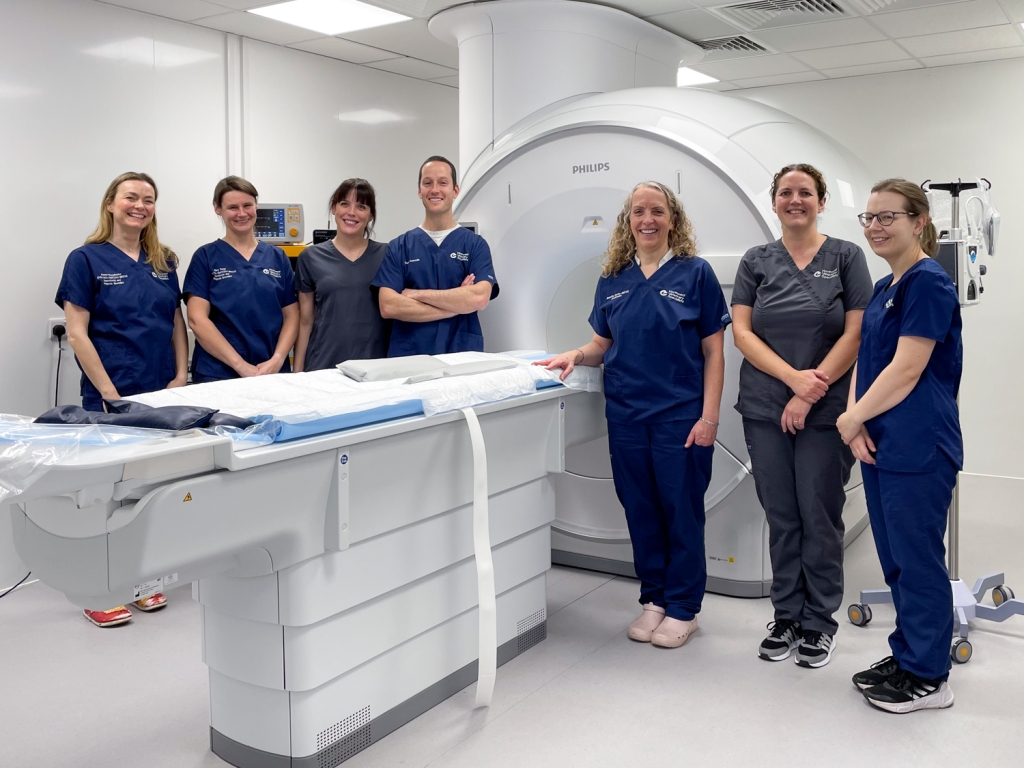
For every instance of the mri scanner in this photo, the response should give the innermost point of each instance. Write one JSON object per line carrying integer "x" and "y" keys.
{"x": 335, "y": 572}
{"x": 547, "y": 163}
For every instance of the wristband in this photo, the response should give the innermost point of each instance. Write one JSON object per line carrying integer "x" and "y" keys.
{"x": 582, "y": 356}
{"x": 709, "y": 423}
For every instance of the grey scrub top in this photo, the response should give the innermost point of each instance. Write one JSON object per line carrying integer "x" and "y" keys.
{"x": 799, "y": 314}
{"x": 347, "y": 324}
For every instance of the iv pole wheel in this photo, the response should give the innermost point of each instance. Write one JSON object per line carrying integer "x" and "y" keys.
{"x": 961, "y": 651}
{"x": 1001, "y": 594}
{"x": 860, "y": 615}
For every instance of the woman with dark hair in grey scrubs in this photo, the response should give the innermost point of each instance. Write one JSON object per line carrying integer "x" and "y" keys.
{"x": 339, "y": 317}
{"x": 797, "y": 307}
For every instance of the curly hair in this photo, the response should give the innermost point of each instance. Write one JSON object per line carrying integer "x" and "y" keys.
{"x": 622, "y": 245}
{"x": 810, "y": 170}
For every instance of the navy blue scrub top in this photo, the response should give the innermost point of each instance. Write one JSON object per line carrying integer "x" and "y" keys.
{"x": 414, "y": 261}
{"x": 131, "y": 316}
{"x": 246, "y": 299}
{"x": 922, "y": 303}
{"x": 654, "y": 370}
{"x": 800, "y": 315}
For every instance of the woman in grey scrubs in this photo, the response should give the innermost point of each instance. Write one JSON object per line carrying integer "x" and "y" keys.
{"x": 797, "y": 307}
{"x": 339, "y": 318}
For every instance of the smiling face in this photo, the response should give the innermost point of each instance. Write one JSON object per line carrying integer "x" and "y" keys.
{"x": 133, "y": 206}
{"x": 796, "y": 201}
{"x": 650, "y": 220}
{"x": 898, "y": 238}
{"x": 350, "y": 216}
{"x": 436, "y": 189}
{"x": 238, "y": 209}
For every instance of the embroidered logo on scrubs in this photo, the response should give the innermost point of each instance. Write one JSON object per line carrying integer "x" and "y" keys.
{"x": 112, "y": 278}
{"x": 460, "y": 256}
{"x": 888, "y": 304}
{"x": 615, "y": 296}
{"x": 160, "y": 275}
{"x": 412, "y": 261}
{"x": 827, "y": 274}
{"x": 272, "y": 272}
{"x": 675, "y": 296}
{"x": 221, "y": 273}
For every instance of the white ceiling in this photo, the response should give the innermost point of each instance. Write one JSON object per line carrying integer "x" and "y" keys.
{"x": 819, "y": 40}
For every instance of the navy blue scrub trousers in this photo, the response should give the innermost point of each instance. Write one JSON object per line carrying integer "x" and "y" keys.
{"x": 908, "y": 512}
{"x": 661, "y": 486}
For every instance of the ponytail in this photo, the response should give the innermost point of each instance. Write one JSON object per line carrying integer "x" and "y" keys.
{"x": 917, "y": 205}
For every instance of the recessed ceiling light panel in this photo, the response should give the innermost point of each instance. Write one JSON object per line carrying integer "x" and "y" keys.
{"x": 686, "y": 76}
{"x": 330, "y": 17}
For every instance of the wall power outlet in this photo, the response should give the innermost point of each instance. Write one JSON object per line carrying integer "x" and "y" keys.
{"x": 52, "y": 323}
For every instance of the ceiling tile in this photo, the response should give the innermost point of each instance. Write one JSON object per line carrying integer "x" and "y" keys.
{"x": 346, "y": 50}
{"x": 452, "y": 80}
{"x": 946, "y": 18}
{"x": 873, "y": 69}
{"x": 410, "y": 38}
{"x": 852, "y": 55}
{"x": 645, "y": 8}
{"x": 694, "y": 24}
{"x": 257, "y": 27}
{"x": 795, "y": 77}
{"x": 975, "y": 56}
{"x": 182, "y": 10}
{"x": 754, "y": 66}
{"x": 965, "y": 41}
{"x": 829, "y": 33}
{"x": 1014, "y": 9}
{"x": 424, "y": 70}
{"x": 242, "y": 5}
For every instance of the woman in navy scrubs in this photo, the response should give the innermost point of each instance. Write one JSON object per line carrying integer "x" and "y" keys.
{"x": 120, "y": 297}
{"x": 903, "y": 424}
{"x": 659, "y": 321}
{"x": 797, "y": 305}
{"x": 240, "y": 295}
{"x": 339, "y": 314}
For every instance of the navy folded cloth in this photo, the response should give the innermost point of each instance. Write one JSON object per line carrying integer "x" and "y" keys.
{"x": 172, "y": 417}
{"x": 218, "y": 419}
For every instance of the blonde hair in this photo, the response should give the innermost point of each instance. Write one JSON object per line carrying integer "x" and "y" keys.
{"x": 622, "y": 245}
{"x": 917, "y": 205}
{"x": 158, "y": 256}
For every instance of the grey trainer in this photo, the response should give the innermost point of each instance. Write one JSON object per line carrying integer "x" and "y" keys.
{"x": 783, "y": 636}
{"x": 815, "y": 649}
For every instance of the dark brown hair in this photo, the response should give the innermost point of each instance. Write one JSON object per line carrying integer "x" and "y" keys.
{"x": 810, "y": 170}
{"x": 232, "y": 184}
{"x": 438, "y": 159}
{"x": 365, "y": 195}
{"x": 917, "y": 205}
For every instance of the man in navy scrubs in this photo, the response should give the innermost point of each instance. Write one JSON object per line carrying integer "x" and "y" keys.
{"x": 435, "y": 278}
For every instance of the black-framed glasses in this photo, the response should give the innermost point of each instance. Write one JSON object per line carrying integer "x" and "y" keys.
{"x": 885, "y": 218}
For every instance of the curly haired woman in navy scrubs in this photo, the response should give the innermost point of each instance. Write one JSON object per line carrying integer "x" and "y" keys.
{"x": 903, "y": 424}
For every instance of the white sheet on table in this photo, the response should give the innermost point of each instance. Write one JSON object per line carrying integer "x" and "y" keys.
{"x": 301, "y": 397}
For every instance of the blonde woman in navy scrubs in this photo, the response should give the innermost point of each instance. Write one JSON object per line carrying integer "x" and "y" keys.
{"x": 903, "y": 424}
{"x": 797, "y": 304}
{"x": 659, "y": 321}
{"x": 240, "y": 295}
{"x": 120, "y": 297}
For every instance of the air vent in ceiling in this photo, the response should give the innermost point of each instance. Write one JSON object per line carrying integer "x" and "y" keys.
{"x": 734, "y": 43}
{"x": 764, "y": 14}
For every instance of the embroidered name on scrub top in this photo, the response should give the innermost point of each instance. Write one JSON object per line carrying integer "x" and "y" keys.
{"x": 414, "y": 260}
{"x": 246, "y": 298}
{"x": 923, "y": 303}
{"x": 654, "y": 370}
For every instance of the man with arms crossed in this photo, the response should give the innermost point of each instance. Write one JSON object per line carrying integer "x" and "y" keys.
{"x": 435, "y": 278}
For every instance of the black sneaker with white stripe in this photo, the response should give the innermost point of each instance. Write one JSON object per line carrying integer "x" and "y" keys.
{"x": 906, "y": 692}
{"x": 879, "y": 672}
{"x": 782, "y": 637}
{"x": 815, "y": 649}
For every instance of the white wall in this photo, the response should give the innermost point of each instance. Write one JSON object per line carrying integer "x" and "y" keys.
{"x": 89, "y": 90}
{"x": 940, "y": 124}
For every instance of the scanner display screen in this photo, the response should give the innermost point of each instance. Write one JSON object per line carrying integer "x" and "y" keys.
{"x": 270, "y": 222}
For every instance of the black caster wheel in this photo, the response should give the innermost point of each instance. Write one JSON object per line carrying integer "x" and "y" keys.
{"x": 961, "y": 651}
{"x": 1001, "y": 594}
{"x": 860, "y": 615}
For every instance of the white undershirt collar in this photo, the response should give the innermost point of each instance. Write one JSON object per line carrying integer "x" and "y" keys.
{"x": 662, "y": 263}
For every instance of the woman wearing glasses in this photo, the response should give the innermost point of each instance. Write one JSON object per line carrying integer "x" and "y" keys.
{"x": 797, "y": 306}
{"x": 903, "y": 424}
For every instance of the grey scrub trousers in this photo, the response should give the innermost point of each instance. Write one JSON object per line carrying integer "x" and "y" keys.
{"x": 800, "y": 314}
{"x": 347, "y": 324}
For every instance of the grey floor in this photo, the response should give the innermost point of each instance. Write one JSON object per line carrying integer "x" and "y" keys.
{"x": 73, "y": 695}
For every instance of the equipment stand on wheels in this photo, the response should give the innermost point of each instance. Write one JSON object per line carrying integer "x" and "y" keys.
{"x": 957, "y": 255}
